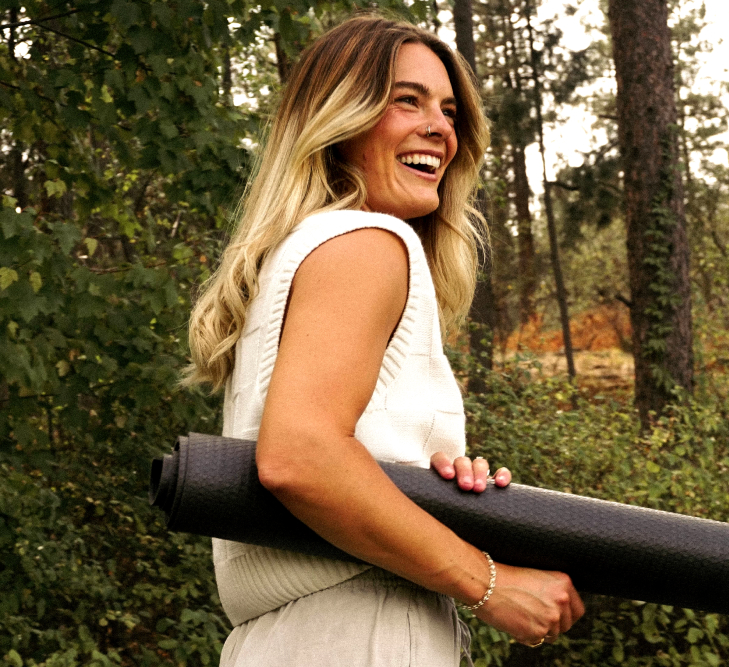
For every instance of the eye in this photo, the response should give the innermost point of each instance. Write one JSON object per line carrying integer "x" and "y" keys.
{"x": 450, "y": 112}
{"x": 407, "y": 99}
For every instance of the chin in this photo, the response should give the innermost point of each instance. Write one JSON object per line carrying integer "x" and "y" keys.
{"x": 417, "y": 208}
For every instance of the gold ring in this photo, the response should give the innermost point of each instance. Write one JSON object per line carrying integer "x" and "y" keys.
{"x": 538, "y": 644}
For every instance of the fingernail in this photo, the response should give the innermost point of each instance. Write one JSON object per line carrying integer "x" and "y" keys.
{"x": 479, "y": 485}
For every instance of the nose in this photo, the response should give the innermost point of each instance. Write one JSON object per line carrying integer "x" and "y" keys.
{"x": 440, "y": 125}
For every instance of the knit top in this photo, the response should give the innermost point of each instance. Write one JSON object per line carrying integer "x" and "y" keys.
{"x": 416, "y": 408}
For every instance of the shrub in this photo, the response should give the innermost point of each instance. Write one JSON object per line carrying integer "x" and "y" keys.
{"x": 551, "y": 435}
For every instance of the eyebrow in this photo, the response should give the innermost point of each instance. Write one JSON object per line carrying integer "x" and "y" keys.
{"x": 423, "y": 90}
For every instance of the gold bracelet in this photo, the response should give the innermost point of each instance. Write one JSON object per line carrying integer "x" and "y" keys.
{"x": 489, "y": 590}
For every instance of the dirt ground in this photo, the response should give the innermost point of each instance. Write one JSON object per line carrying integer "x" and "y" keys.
{"x": 600, "y": 340}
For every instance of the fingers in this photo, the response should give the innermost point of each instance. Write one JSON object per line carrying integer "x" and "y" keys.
{"x": 464, "y": 473}
{"x": 471, "y": 475}
{"x": 570, "y": 606}
{"x": 502, "y": 477}
{"x": 480, "y": 473}
{"x": 443, "y": 465}
{"x": 577, "y": 606}
{"x": 534, "y": 606}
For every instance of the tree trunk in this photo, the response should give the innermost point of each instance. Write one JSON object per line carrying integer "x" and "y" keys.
{"x": 658, "y": 253}
{"x": 527, "y": 256}
{"x": 564, "y": 316}
{"x": 17, "y": 170}
{"x": 483, "y": 307}
{"x": 227, "y": 76}
{"x": 282, "y": 60}
{"x": 463, "y": 23}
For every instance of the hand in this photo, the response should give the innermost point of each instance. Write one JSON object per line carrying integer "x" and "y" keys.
{"x": 532, "y": 604}
{"x": 471, "y": 475}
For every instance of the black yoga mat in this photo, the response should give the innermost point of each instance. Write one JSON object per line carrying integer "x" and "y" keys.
{"x": 209, "y": 486}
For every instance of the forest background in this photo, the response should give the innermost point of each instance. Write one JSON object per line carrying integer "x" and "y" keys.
{"x": 128, "y": 132}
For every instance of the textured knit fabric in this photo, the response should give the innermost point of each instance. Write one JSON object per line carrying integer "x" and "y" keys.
{"x": 415, "y": 410}
{"x": 373, "y": 620}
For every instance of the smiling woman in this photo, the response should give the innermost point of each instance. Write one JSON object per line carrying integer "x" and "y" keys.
{"x": 405, "y": 155}
{"x": 356, "y": 245}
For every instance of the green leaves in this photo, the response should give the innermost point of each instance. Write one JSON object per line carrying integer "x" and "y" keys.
{"x": 7, "y": 277}
{"x": 526, "y": 420}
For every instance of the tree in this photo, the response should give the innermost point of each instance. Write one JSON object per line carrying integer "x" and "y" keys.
{"x": 548, "y": 207}
{"x": 482, "y": 315}
{"x": 658, "y": 252}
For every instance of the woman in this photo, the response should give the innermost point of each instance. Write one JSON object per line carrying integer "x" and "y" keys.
{"x": 324, "y": 325}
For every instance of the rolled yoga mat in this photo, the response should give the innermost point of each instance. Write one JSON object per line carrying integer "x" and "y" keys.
{"x": 209, "y": 486}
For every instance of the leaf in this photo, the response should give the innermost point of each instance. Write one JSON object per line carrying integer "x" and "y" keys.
{"x": 7, "y": 277}
{"x": 13, "y": 657}
{"x": 694, "y": 634}
{"x": 106, "y": 94}
{"x": 35, "y": 281}
{"x": 63, "y": 367}
{"x": 91, "y": 245}
{"x": 652, "y": 467}
{"x": 54, "y": 188}
{"x": 181, "y": 252}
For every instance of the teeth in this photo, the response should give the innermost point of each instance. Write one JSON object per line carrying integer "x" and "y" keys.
{"x": 416, "y": 158}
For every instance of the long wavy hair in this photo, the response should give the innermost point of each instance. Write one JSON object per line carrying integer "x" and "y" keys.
{"x": 339, "y": 88}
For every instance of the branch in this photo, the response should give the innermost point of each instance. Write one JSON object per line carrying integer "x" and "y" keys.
{"x": 78, "y": 41}
{"x": 622, "y": 299}
{"x": 17, "y": 24}
{"x": 10, "y": 85}
{"x": 124, "y": 268}
{"x": 717, "y": 241}
{"x": 565, "y": 186}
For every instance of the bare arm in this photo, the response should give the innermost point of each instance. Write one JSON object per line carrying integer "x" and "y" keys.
{"x": 346, "y": 300}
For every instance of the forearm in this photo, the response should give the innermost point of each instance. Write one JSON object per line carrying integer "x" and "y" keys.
{"x": 335, "y": 486}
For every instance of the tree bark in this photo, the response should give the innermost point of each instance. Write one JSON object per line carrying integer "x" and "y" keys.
{"x": 564, "y": 316}
{"x": 483, "y": 307}
{"x": 282, "y": 60}
{"x": 463, "y": 23}
{"x": 17, "y": 170}
{"x": 525, "y": 239}
{"x": 227, "y": 76}
{"x": 658, "y": 252}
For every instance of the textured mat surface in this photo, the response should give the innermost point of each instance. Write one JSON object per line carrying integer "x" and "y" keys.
{"x": 209, "y": 486}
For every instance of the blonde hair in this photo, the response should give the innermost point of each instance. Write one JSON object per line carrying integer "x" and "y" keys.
{"x": 339, "y": 88}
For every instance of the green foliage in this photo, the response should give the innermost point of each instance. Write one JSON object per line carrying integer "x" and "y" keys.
{"x": 122, "y": 153}
{"x": 596, "y": 448}
{"x": 90, "y": 359}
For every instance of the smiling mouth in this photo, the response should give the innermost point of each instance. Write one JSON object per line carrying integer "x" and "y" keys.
{"x": 428, "y": 164}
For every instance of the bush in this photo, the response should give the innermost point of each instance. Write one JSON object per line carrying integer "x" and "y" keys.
{"x": 550, "y": 435}
{"x": 89, "y": 360}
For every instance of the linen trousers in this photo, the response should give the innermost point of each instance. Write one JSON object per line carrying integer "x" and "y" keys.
{"x": 375, "y": 619}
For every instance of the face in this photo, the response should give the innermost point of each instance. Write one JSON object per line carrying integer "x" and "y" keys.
{"x": 401, "y": 162}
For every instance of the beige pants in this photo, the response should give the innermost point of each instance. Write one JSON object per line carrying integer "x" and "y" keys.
{"x": 373, "y": 620}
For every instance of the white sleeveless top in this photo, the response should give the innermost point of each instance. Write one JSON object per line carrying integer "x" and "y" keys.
{"x": 415, "y": 410}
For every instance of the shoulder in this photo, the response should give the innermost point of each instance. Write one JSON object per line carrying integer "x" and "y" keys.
{"x": 368, "y": 260}
{"x": 328, "y": 224}
{"x": 346, "y": 244}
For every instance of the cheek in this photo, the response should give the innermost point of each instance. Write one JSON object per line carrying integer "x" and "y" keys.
{"x": 452, "y": 146}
